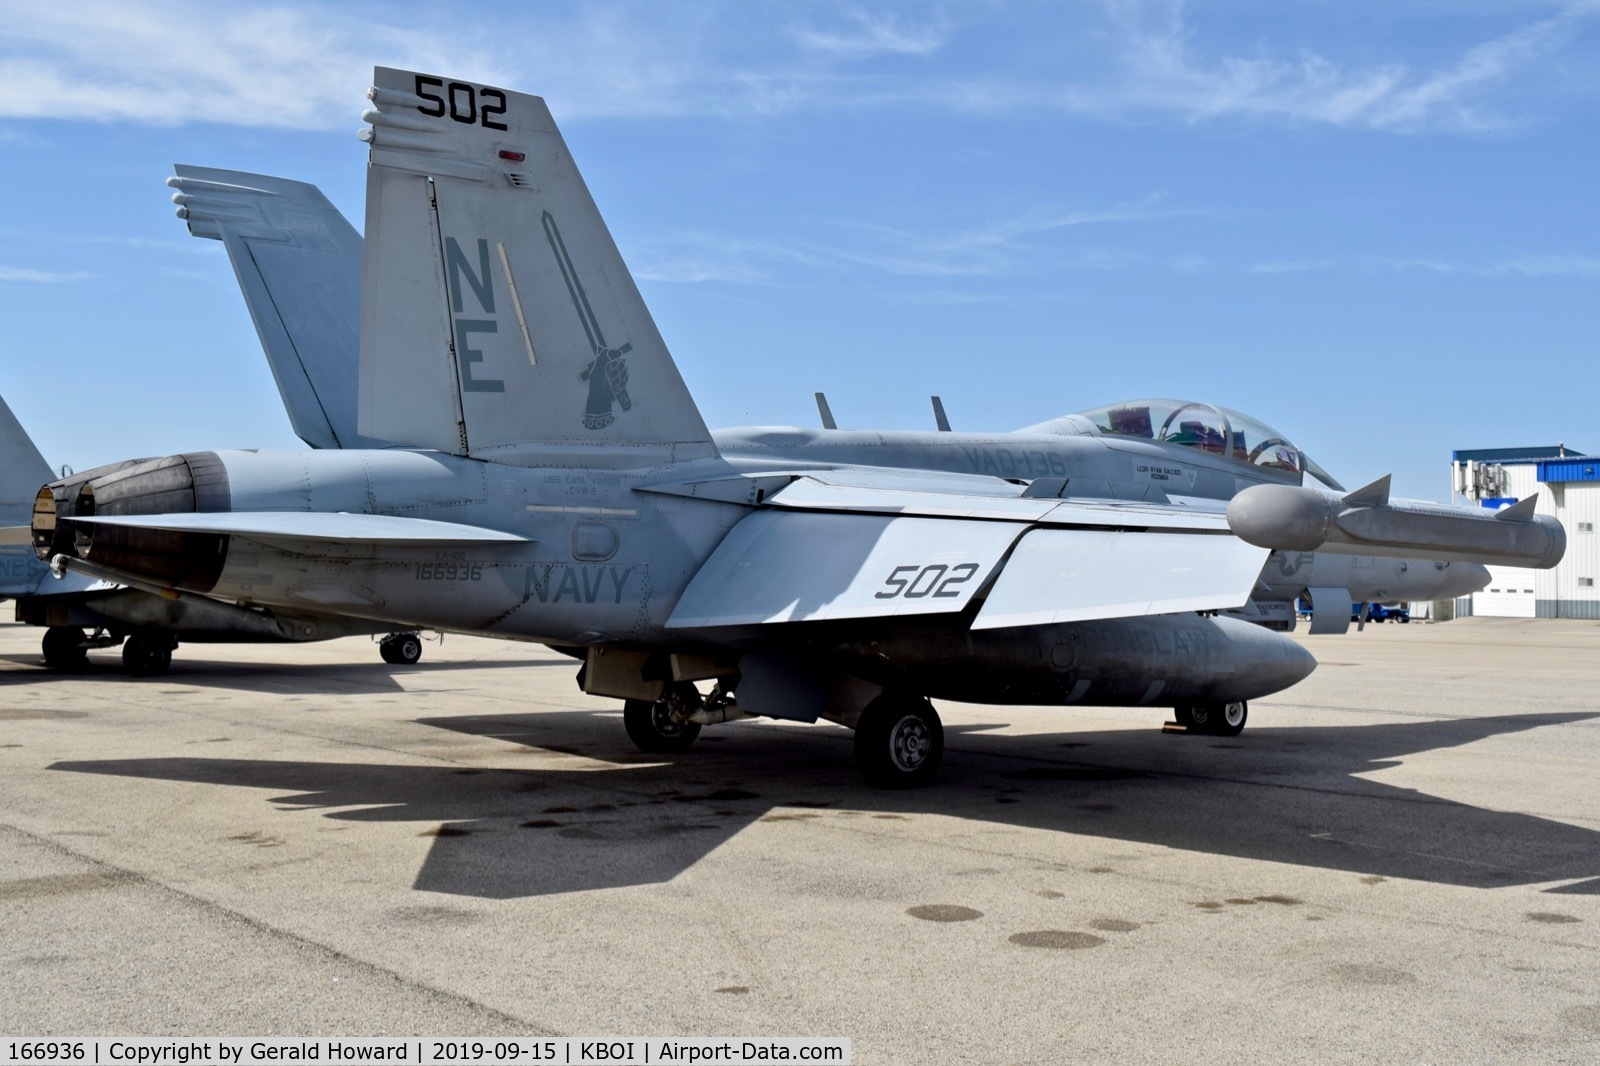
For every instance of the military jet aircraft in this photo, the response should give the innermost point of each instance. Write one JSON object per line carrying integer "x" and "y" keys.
{"x": 82, "y": 612}
{"x": 553, "y": 481}
{"x": 298, "y": 262}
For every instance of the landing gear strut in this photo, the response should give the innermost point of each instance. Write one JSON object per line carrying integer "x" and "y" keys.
{"x": 1214, "y": 719}
{"x": 663, "y": 727}
{"x": 899, "y": 741}
{"x": 401, "y": 649}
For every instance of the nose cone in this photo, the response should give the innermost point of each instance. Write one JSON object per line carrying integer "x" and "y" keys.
{"x": 1461, "y": 579}
{"x": 1264, "y": 662}
{"x": 1296, "y": 666}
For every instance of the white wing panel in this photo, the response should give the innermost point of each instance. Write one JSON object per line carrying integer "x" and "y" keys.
{"x": 313, "y": 525}
{"x": 889, "y": 495}
{"x": 888, "y": 498}
{"x": 778, "y": 566}
{"x": 1072, "y": 575}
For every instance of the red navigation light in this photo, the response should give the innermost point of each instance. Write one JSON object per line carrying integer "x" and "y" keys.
{"x": 515, "y": 157}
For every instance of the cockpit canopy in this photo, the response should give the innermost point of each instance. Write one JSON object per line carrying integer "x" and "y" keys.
{"x": 1215, "y": 430}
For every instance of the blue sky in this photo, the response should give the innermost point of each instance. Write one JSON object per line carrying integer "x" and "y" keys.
{"x": 1372, "y": 225}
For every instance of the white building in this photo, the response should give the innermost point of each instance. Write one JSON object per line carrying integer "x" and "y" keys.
{"x": 1569, "y": 488}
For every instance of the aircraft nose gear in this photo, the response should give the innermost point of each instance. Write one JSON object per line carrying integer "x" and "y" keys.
{"x": 1214, "y": 719}
{"x": 402, "y": 649}
{"x": 899, "y": 741}
{"x": 663, "y": 727}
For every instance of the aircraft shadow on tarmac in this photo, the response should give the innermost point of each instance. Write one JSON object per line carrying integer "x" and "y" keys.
{"x": 1286, "y": 795}
{"x": 299, "y": 678}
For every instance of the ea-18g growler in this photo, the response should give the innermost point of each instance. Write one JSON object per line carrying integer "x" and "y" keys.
{"x": 298, "y": 263}
{"x": 554, "y": 482}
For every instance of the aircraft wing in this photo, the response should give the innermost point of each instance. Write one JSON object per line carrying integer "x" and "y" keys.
{"x": 312, "y": 525}
{"x": 814, "y": 493}
{"x": 818, "y": 552}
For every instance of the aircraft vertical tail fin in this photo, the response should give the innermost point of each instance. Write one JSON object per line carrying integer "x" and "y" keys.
{"x": 298, "y": 261}
{"x": 22, "y": 471}
{"x": 496, "y": 309}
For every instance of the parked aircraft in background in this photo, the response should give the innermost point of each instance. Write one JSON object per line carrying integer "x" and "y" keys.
{"x": 553, "y": 481}
{"x": 298, "y": 261}
{"x": 145, "y": 620}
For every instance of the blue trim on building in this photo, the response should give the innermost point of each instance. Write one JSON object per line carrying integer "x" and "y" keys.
{"x": 1581, "y": 468}
{"x": 1513, "y": 455}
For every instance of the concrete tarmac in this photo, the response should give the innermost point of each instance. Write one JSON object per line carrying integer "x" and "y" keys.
{"x": 1399, "y": 861}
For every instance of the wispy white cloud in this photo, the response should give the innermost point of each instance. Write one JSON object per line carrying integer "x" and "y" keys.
{"x": 701, "y": 256}
{"x": 1002, "y": 247}
{"x": 1523, "y": 265}
{"x": 169, "y": 62}
{"x": 865, "y": 35}
{"x": 305, "y": 63}
{"x": 1164, "y": 71}
{"x": 1567, "y": 264}
{"x": 1289, "y": 266}
{"x": 8, "y": 273}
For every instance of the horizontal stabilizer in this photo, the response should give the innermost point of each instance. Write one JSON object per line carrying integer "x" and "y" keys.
{"x": 1074, "y": 575}
{"x": 778, "y": 566}
{"x": 314, "y": 525}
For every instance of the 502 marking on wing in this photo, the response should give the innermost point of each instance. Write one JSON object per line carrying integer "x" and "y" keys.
{"x": 462, "y": 102}
{"x": 913, "y": 582}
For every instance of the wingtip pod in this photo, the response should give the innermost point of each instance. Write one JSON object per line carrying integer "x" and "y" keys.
{"x": 1287, "y": 518}
{"x": 1283, "y": 517}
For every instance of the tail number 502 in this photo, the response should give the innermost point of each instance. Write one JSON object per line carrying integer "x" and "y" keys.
{"x": 461, "y": 102}
{"x": 936, "y": 580}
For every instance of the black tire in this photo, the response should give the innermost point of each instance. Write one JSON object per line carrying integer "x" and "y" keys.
{"x": 1213, "y": 719}
{"x": 899, "y": 742}
{"x": 64, "y": 648}
{"x": 145, "y": 655}
{"x": 1231, "y": 718}
{"x": 652, "y": 726}
{"x": 401, "y": 649}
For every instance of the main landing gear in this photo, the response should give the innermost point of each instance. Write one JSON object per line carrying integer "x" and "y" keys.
{"x": 899, "y": 741}
{"x": 401, "y": 649}
{"x": 147, "y": 654}
{"x": 1213, "y": 719}
{"x": 663, "y": 727}
{"x": 65, "y": 648}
